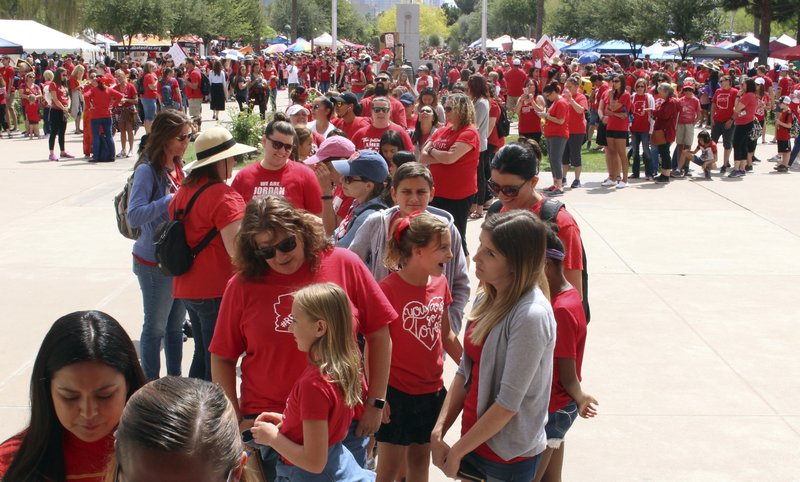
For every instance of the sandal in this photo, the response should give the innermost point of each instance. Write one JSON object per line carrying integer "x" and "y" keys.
{"x": 475, "y": 215}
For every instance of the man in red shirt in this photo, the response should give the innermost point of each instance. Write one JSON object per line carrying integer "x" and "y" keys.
{"x": 382, "y": 90}
{"x": 193, "y": 92}
{"x": 515, "y": 83}
{"x": 369, "y": 137}
{"x": 453, "y": 75}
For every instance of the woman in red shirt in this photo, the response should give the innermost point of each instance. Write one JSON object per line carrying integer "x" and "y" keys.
{"x": 666, "y": 119}
{"x": 453, "y": 154}
{"x": 744, "y": 114}
{"x": 86, "y": 360}
{"x": 530, "y": 124}
{"x": 617, "y": 109}
{"x": 556, "y": 131}
{"x": 59, "y": 112}
{"x": 150, "y": 95}
{"x": 126, "y": 112}
{"x": 101, "y": 100}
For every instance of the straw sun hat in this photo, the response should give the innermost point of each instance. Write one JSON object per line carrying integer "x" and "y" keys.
{"x": 216, "y": 144}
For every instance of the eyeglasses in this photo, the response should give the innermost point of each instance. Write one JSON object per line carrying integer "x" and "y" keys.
{"x": 183, "y": 137}
{"x": 448, "y": 108}
{"x": 277, "y": 145}
{"x": 425, "y": 111}
{"x": 509, "y": 191}
{"x": 352, "y": 179}
{"x": 285, "y": 246}
{"x": 382, "y": 79}
{"x": 380, "y": 109}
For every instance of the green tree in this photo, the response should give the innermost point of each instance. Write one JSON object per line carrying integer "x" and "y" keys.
{"x": 690, "y": 21}
{"x": 309, "y": 17}
{"x": 762, "y": 9}
{"x": 126, "y": 18}
{"x": 625, "y": 20}
{"x": 451, "y": 12}
{"x": 466, "y": 30}
{"x": 512, "y": 17}
{"x": 573, "y": 18}
{"x": 63, "y": 15}
{"x": 467, "y": 6}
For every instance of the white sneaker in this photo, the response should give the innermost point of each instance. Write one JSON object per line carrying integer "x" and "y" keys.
{"x": 608, "y": 182}
{"x": 622, "y": 185}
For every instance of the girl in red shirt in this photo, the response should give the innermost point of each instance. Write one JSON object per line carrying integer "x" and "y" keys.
{"x": 308, "y": 434}
{"x": 417, "y": 250}
{"x": 556, "y": 131}
{"x": 102, "y": 99}
{"x": 744, "y": 113}
{"x": 616, "y": 112}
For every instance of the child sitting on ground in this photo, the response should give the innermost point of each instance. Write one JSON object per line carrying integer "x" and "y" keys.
{"x": 707, "y": 158}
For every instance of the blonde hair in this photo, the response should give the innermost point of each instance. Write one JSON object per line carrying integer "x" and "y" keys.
{"x": 462, "y": 108}
{"x": 48, "y": 75}
{"x": 78, "y": 72}
{"x": 335, "y": 353}
{"x": 420, "y": 231}
{"x": 526, "y": 262}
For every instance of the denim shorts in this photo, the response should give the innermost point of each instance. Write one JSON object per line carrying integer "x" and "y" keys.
{"x": 594, "y": 117}
{"x": 558, "y": 423}
{"x": 522, "y": 471}
{"x": 340, "y": 466}
{"x": 149, "y": 108}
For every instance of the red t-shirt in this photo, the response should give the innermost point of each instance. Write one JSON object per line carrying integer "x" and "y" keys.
{"x": 560, "y": 110}
{"x": 255, "y": 317}
{"x": 453, "y": 75}
{"x": 723, "y": 102}
{"x": 761, "y": 108}
{"x": 417, "y": 363}
{"x": 460, "y": 179}
{"x": 350, "y": 128}
{"x": 357, "y": 76}
{"x": 369, "y": 137}
{"x": 150, "y": 93}
{"x": 641, "y": 117}
{"x": 324, "y": 73}
{"x": 515, "y": 81}
{"x": 617, "y": 123}
{"x": 424, "y": 81}
{"x": 102, "y": 101}
{"x": 218, "y": 206}
{"x": 85, "y": 461}
{"x": 315, "y": 397}
{"x": 8, "y": 76}
{"x": 570, "y": 342}
{"x": 494, "y": 113}
{"x": 529, "y": 120}
{"x": 294, "y": 181}
{"x": 599, "y": 92}
{"x": 61, "y": 92}
{"x": 785, "y": 85}
{"x": 577, "y": 120}
{"x": 782, "y": 133}
{"x": 750, "y": 102}
{"x": 196, "y": 78}
{"x": 689, "y": 109}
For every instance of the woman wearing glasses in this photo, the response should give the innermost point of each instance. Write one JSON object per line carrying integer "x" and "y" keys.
{"x": 276, "y": 175}
{"x": 213, "y": 221}
{"x": 321, "y": 112}
{"x": 363, "y": 179}
{"x": 280, "y": 249}
{"x": 515, "y": 173}
{"x": 427, "y": 124}
{"x": 158, "y": 176}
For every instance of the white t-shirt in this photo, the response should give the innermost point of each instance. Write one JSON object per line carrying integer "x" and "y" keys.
{"x": 216, "y": 79}
{"x": 292, "y": 69}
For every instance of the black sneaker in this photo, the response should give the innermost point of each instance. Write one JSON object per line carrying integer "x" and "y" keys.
{"x": 707, "y": 173}
{"x": 782, "y": 168}
{"x": 748, "y": 168}
{"x": 723, "y": 169}
{"x": 662, "y": 178}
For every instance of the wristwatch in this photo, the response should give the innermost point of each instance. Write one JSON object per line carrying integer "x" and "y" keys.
{"x": 376, "y": 402}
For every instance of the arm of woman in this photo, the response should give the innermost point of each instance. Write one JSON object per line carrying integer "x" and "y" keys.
{"x": 456, "y": 152}
{"x": 54, "y": 97}
{"x": 554, "y": 119}
{"x": 492, "y": 421}
{"x": 449, "y": 340}
{"x": 452, "y": 406}
{"x": 311, "y": 456}
{"x": 228, "y": 234}
{"x": 223, "y": 373}
{"x": 492, "y": 122}
{"x": 142, "y": 209}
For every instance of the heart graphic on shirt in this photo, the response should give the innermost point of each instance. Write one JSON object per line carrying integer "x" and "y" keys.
{"x": 283, "y": 313}
{"x": 424, "y": 322}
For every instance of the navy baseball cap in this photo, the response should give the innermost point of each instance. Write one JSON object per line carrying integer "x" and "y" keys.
{"x": 365, "y": 163}
{"x": 407, "y": 99}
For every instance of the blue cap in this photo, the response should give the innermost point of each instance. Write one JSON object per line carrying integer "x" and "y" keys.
{"x": 407, "y": 99}
{"x": 365, "y": 163}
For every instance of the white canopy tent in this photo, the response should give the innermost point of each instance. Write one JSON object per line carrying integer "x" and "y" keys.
{"x": 35, "y": 37}
{"x": 522, "y": 45}
{"x": 326, "y": 40}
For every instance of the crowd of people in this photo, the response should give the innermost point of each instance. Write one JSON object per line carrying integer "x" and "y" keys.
{"x": 331, "y": 276}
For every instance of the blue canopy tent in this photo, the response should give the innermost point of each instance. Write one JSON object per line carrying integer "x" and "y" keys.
{"x": 616, "y": 47}
{"x": 9, "y": 48}
{"x": 581, "y": 46}
{"x": 280, "y": 39}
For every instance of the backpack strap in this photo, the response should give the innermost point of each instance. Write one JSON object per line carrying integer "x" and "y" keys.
{"x": 185, "y": 212}
{"x": 550, "y": 209}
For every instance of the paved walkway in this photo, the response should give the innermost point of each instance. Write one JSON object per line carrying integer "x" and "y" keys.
{"x": 691, "y": 351}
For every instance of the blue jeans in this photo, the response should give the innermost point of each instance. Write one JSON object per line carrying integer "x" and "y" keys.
{"x": 163, "y": 320}
{"x": 203, "y": 316}
{"x": 105, "y": 123}
{"x": 356, "y": 445}
{"x": 340, "y": 466}
{"x": 642, "y": 139}
{"x": 324, "y": 86}
{"x": 497, "y": 472}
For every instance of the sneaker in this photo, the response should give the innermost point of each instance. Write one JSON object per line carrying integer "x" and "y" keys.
{"x": 634, "y": 176}
{"x": 53, "y": 157}
{"x": 550, "y": 189}
{"x": 707, "y": 173}
{"x": 608, "y": 182}
{"x": 782, "y": 168}
{"x": 748, "y": 168}
{"x": 734, "y": 173}
{"x": 661, "y": 178}
{"x": 554, "y": 192}
{"x": 622, "y": 185}
{"x": 575, "y": 184}
{"x": 723, "y": 169}
{"x": 755, "y": 159}
{"x": 122, "y": 155}
{"x": 676, "y": 174}
{"x": 66, "y": 155}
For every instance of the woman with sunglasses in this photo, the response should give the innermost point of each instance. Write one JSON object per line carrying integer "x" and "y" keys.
{"x": 364, "y": 180}
{"x": 321, "y": 112}
{"x": 428, "y": 97}
{"x": 617, "y": 107}
{"x": 427, "y": 124}
{"x": 515, "y": 173}
{"x": 280, "y": 249}
{"x": 179, "y": 429}
{"x": 158, "y": 176}
{"x": 84, "y": 373}
{"x": 215, "y": 215}
{"x": 275, "y": 175}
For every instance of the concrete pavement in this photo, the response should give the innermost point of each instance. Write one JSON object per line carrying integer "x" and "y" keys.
{"x": 691, "y": 351}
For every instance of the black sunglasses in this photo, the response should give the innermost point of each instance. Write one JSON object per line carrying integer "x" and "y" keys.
{"x": 380, "y": 109}
{"x": 277, "y": 145}
{"x": 510, "y": 191}
{"x": 352, "y": 179}
{"x": 285, "y": 246}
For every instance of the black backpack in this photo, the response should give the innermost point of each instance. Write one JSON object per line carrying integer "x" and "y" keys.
{"x": 503, "y": 123}
{"x": 549, "y": 213}
{"x": 173, "y": 254}
{"x": 205, "y": 85}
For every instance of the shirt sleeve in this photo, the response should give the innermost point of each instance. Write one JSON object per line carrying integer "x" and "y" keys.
{"x": 565, "y": 334}
{"x": 229, "y": 341}
{"x": 228, "y": 209}
{"x": 315, "y": 400}
{"x": 142, "y": 209}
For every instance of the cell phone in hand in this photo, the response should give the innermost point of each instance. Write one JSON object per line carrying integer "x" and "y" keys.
{"x": 467, "y": 471}
{"x": 247, "y": 438}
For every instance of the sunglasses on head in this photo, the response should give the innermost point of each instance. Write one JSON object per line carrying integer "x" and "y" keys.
{"x": 285, "y": 246}
{"x": 277, "y": 145}
{"x": 510, "y": 191}
{"x": 380, "y": 109}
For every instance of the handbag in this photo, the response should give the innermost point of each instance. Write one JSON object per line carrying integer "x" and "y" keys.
{"x": 756, "y": 131}
{"x": 658, "y": 138}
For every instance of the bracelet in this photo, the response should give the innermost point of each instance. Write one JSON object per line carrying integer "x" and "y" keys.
{"x": 327, "y": 198}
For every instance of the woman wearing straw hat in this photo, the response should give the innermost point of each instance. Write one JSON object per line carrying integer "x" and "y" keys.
{"x": 218, "y": 207}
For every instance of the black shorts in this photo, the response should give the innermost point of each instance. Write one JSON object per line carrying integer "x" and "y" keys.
{"x": 412, "y": 417}
{"x": 783, "y": 146}
{"x": 616, "y": 134}
{"x": 742, "y": 144}
{"x": 718, "y": 129}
